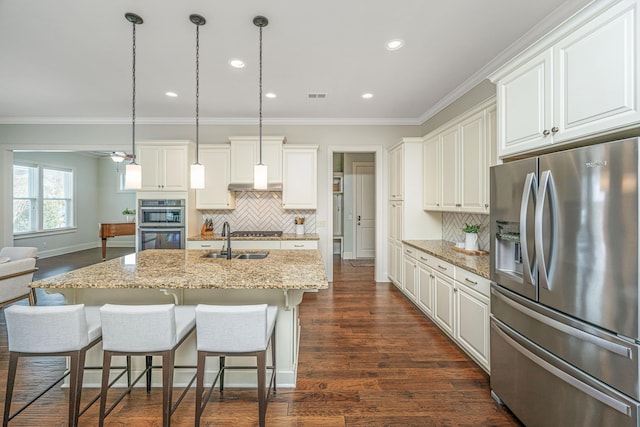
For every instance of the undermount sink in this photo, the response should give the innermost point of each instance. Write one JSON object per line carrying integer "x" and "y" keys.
{"x": 253, "y": 256}
{"x": 215, "y": 255}
{"x": 260, "y": 255}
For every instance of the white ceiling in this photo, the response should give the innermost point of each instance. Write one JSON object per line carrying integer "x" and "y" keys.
{"x": 70, "y": 60}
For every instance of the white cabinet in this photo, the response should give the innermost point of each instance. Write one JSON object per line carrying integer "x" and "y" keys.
{"x": 456, "y": 163}
{"x": 245, "y": 154}
{"x": 472, "y": 323}
{"x": 215, "y": 195}
{"x": 395, "y": 242}
{"x": 426, "y": 283}
{"x": 210, "y": 245}
{"x": 410, "y": 273}
{"x": 164, "y": 165}
{"x": 396, "y": 168}
{"x": 580, "y": 80}
{"x": 443, "y": 296}
{"x": 300, "y": 177}
{"x": 432, "y": 175}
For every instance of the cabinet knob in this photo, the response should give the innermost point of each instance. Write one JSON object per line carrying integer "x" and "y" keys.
{"x": 455, "y": 289}
{"x": 554, "y": 129}
{"x": 546, "y": 132}
{"x": 486, "y": 205}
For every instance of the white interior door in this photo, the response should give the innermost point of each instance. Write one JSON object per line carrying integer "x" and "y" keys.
{"x": 365, "y": 194}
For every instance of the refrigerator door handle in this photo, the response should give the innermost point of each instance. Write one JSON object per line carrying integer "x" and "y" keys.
{"x": 546, "y": 271}
{"x": 585, "y": 388}
{"x": 530, "y": 186}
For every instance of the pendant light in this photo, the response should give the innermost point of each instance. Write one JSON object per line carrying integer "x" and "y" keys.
{"x": 197, "y": 170}
{"x": 133, "y": 171}
{"x": 260, "y": 170}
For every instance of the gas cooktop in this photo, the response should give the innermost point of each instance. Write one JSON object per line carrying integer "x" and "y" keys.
{"x": 256, "y": 233}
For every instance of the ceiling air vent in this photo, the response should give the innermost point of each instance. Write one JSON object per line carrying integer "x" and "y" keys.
{"x": 317, "y": 95}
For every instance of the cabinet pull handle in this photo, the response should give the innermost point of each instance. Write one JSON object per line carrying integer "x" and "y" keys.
{"x": 466, "y": 279}
{"x": 424, "y": 259}
{"x": 546, "y": 132}
{"x": 554, "y": 129}
{"x": 298, "y": 246}
{"x": 441, "y": 267}
{"x": 205, "y": 246}
{"x": 458, "y": 205}
{"x": 408, "y": 251}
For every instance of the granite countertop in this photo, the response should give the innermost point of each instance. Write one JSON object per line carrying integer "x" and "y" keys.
{"x": 187, "y": 269}
{"x": 285, "y": 236}
{"x": 478, "y": 264}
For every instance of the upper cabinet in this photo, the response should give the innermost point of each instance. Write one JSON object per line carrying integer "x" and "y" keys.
{"x": 164, "y": 165}
{"x": 217, "y": 173}
{"x": 456, "y": 162}
{"x": 579, "y": 81}
{"x": 396, "y": 165}
{"x": 300, "y": 177}
{"x": 245, "y": 154}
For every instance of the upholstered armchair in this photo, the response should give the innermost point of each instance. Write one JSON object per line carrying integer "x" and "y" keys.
{"x": 17, "y": 265}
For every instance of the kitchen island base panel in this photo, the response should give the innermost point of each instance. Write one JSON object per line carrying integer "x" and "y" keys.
{"x": 287, "y": 332}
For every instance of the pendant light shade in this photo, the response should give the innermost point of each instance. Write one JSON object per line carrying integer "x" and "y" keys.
{"x": 133, "y": 176}
{"x": 260, "y": 177}
{"x": 133, "y": 171}
{"x": 197, "y": 170}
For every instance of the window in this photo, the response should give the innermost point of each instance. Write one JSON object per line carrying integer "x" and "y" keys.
{"x": 42, "y": 198}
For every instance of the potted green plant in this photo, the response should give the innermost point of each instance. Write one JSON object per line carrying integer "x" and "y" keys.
{"x": 130, "y": 214}
{"x": 471, "y": 236}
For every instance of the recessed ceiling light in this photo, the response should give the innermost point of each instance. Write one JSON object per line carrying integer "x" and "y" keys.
{"x": 236, "y": 63}
{"x": 395, "y": 44}
{"x": 171, "y": 94}
{"x": 270, "y": 95}
{"x": 367, "y": 96}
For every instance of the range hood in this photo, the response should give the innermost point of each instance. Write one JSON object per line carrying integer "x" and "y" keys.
{"x": 275, "y": 186}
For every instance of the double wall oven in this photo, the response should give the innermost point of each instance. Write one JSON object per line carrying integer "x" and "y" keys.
{"x": 161, "y": 224}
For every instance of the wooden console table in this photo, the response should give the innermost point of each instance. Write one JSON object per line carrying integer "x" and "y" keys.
{"x": 113, "y": 230}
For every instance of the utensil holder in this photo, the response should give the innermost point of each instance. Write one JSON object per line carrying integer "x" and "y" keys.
{"x": 299, "y": 229}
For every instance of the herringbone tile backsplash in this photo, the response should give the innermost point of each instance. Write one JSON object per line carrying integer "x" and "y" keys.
{"x": 260, "y": 211}
{"x": 453, "y": 222}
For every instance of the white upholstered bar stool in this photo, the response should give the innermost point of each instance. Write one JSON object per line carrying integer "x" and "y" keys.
{"x": 240, "y": 330}
{"x": 68, "y": 330}
{"x": 145, "y": 330}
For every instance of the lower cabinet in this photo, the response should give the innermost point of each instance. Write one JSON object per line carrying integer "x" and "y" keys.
{"x": 410, "y": 275}
{"x": 443, "y": 312}
{"x": 253, "y": 244}
{"x": 456, "y": 300}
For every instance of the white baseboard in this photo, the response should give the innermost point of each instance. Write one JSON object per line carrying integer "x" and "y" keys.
{"x": 347, "y": 255}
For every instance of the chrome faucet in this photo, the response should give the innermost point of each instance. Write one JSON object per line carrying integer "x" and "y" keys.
{"x": 226, "y": 231}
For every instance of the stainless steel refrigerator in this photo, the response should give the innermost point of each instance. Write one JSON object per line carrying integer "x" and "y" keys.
{"x": 565, "y": 321}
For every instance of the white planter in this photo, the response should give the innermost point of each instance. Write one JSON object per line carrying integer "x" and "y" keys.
{"x": 130, "y": 218}
{"x": 471, "y": 241}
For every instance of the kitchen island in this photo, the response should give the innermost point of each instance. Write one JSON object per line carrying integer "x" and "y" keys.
{"x": 188, "y": 277}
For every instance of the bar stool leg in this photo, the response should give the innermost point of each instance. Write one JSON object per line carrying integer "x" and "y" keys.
{"x": 202, "y": 357}
{"x": 221, "y": 367}
{"x": 148, "y": 363}
{"x": 167, "y": 386}
{"x": 76, "y": 373}
{"x": 262, "y": 376}
{"x": 106, "y": 367}
{"x": 273, "y": 360}
{"x": 13, "y": 366}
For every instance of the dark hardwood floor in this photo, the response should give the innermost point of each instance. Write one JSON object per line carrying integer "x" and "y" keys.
{"x": 367, "y": 358}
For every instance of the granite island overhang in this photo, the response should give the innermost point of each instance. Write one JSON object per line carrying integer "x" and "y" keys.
{"x": 187, "y": 277}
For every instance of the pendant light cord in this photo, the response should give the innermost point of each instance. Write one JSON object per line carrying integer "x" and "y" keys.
{"x": 133, "y": 98}
{"x": 197, "y": 92}
{"x": 260, "y": 84}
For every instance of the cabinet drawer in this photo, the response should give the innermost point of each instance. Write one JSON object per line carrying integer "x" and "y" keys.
{"x": 428, "y": 260}
{"x": 445, "y": 268}
{"x": 409, "y": 251}
{"x": 473, "y": 281}
{"x": 207, "y": 245}
{"x": 299, "y": 244}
